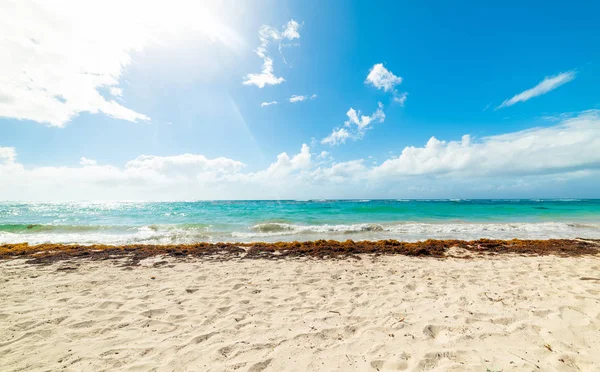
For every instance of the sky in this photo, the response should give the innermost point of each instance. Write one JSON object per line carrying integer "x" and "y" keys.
{"x": 197, "y": 100}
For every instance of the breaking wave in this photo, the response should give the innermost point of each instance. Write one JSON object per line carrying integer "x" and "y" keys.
{"x": 283, "y": 231}
{"x": 420, "y": 231}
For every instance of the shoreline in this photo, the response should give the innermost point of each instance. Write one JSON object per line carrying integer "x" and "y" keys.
{"x": 134, "y": 253}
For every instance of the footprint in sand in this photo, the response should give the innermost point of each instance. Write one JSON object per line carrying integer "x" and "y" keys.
{"x": 573, "y": 316}
{"x": 380, "y": 365}
{"x": 110, "y": 305}
{"x": 260, "y": 366}
{"x": 377, "y": 364}
{"x": 431, "y": 331}
{"x": 432, "y": 360}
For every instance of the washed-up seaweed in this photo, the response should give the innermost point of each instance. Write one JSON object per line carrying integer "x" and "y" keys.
{"x": 134, "y": 253}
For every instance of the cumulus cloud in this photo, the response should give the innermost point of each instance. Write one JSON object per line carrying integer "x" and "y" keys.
{"x": 87, "y": 162}
{"x": 265, "y": 104}
{"x": 186, "y": 164}
{"x": 570, "y": 146}
{"x": 265, "y": 77}
{"x": 267, "y": 34}
{"x": 542, "y": 161}
{"x": 7, "y": 155}
{"x": 349, "y": 171}
{"x": 355, "y": 127}
{"x": 383, "y": 79}
{"x": 8, "y": 164}
{"x": 286, "y": 165}
{"x": 56, "y": 57}
{"x": 177, "y": 177}
{"x": 548, "y": 84}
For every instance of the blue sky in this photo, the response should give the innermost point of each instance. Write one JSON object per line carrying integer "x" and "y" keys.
{"x": 175, "y": 86}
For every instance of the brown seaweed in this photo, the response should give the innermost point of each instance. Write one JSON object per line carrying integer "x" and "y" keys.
{"x": 49, "y": 253}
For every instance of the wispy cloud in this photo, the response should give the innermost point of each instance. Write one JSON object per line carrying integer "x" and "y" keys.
{"x": 383, "y": 79}
{"x": 266, "y": 34}
{"x": 323, "y": 156}
{"x": 362, "y": 122}
{"x": 296, "y": 98}
{"x": 355, "y": 127}
{"x": 400, "y": 98}
{"x": 265, "y": 104}
{"x": 548, "y": 84}
{"x": 337, "y": 137}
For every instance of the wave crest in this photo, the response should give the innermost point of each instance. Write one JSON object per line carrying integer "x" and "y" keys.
{"x": 281, "y": 231}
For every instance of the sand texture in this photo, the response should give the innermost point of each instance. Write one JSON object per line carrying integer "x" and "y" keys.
{"x": 387, "y": 313}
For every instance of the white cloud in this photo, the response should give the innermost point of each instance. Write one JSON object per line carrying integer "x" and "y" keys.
{"x": 352, "y": 170}
{"x": 291, "y": 31}
{"x": 7, "y": 155}
{"x": 285, "y": 165}
{"x": 549, "y": 83}
{"x": 383, "y": 79}
{"x": 267, "y": 34}
{"x": 8, "y": 164}
{"x": 324, "y": 155}
{"x": 294, "y": 98}
{"x": 299, "y": 98}
{"x": 117, "y": 92}
{"x": 552, "y": 161}
{"x": 55, "y": 56}
{"x": 186, "y": 165}
{"x": 355, "y": 127}
{"x": 87, "y": 162}
{"x": 570, "y": 146}
{"x": 265, "y": 77}
{"x": 185, "y": 176}
{"x": 363, "y": 121}
{"x": 400, "y": 98}
{"x": 337, "y": 137}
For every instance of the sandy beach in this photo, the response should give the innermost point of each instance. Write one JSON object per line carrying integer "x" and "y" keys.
{"x": 299, "y": 186}
{"x": 386, "y": 313}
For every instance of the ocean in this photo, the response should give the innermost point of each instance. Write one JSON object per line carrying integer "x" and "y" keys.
{"x": 288, "y": 220}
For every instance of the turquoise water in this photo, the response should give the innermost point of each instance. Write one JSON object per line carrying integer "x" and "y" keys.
{"x": 187, "y": 222}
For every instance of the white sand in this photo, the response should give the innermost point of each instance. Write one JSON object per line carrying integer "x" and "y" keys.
{"x": 386, "y": 313}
